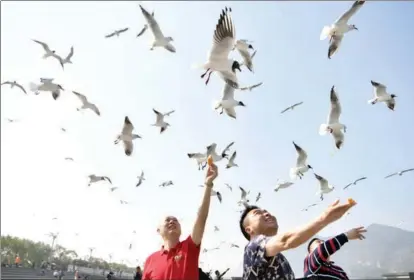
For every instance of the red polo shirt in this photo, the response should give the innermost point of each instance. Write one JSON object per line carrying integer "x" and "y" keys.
{"x": 179, "y": 263}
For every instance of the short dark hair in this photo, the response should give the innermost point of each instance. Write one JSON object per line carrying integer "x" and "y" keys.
{"x": 311, "y": 241}
{"x": 243, "y": 216}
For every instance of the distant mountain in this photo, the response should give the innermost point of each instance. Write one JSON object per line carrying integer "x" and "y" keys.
{"x": 386, "y": 249}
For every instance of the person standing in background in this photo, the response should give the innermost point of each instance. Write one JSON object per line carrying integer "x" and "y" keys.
{"x": 138, "y": 273}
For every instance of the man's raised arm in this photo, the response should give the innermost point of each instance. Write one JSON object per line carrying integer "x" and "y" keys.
{"x": 293, "y": 239}
{"x": 200, "y": 223}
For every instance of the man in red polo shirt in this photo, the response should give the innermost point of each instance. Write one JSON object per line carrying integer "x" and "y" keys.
{"x": 178, "y": 260}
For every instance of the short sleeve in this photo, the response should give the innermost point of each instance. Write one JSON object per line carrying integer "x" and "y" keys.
{"x": 191, "y": 245}
{"x": 255, "y": 253}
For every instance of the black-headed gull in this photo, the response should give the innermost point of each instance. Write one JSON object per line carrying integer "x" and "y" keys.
{"x": 292, "y": 107}
{"x": 227, "y": 102}
{"x": 48, "y": 51}
{"x": 126, "y": 137}
{"x": 160, "y": 120}
{"x": 211, "y": 150}
{"x": 117, "y": 32}
{"x": 354, "y": 182}
{"x": 250, "y": 88}
{"x": 243, "y": 47}
{"x": 140, "y": 179}
{"x": 324, "y": 186}
{"x": 400, "y": 173}
{"x": 381, "y": 95}
{"x": 47, "y": 85}
{"x": 94, "y": 178}
{"x": 200, "y": 158}
{"x": 243, "y": 198}
{"x": 224, "y": 39}
{"x": 14, "y": 84}
{"x": 301, "y": 164}
{"x": 166, "y": 184}
{"x": 231, "y": 162}
{"x": 333, "y": 126}
{"x": 282, "y": 185}
{"x": 86, "y": 104}
{"x": 341, "y": 26}
{"x": 159, "y": 39}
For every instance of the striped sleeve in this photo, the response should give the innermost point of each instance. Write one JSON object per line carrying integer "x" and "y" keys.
{"x": 329, "y": 247}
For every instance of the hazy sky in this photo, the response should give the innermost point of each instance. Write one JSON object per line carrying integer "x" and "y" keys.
{"x": 124, "y": 78}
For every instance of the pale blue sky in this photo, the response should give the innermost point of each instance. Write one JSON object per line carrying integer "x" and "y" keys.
{"x": 124, "y": 78}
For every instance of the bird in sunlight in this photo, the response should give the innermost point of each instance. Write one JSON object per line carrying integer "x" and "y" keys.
{"x": 117, "y": 32}
{"x": 66, "y": 60}
{"x": 48, "y": 51}
{"x": 309, "y": 206}
{"x": 227, "y": 102}
{"x": 341, "y": 26}
{"x": 166, "y": 184}
{"x": 400, "y": 173}
{"x": 250, "y": 88}
{"x": 47, "y": 85}
{"x": 231, "y": 162}
{"x": 123, "y": 201}
{"x": 243, "y": 198}
{"x": 14, "y": 84}
{"x": 160, "y": 120}
{"x": 324, "y": 186}
{"x": 140, "y": 179}
{"x": 354, "y": 182}
{"x": 216, "y": 229}
{"x": 282, "y": 185}
{"x": 258, "y": 197}
{"x": 291, "y": 107}
{"x": 86, "y": 104}
{"x": 127, "y": 137}
{"x": 211, "y": 151}
{"x": 159, "y": 39}
{"x": 215, "y": 193}
{"x": 243, "y": 47}
{"x": 112, "y": 189}
{"x": 333, "y": 126}
{"x": 200, "y": 158}
{"x": 94, "y": 179}
{"x": 224, "y": 40}
{"x": 381, "y": 95}
{"x": 301, "y": 163}
{"x": 69, "y": 158}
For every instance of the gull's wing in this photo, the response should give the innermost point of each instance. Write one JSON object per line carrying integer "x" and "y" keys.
{"x": 70, "y": 54}
{"x": 128, "y": 127}
{"x": 143, "y": 30}
{"x": 211, "y": 149}
{"x": 334, "y": 44}
{"x": 393, "y": 174}
{"x": 227, "y": 148}
{"x": 297, "y": 104}
{"x": 251, "y": 87}
{"x": 287, "y": 109}
{"x": 169, "y": 113}
{"x": 231, "y": 189}
{"x": 224, "y": 37}
{"x": 360, "y": 179}
{"x": 229, "y": 77}
{"x": 153, "y": 25}
{"x": 407, "y": 170}
{"x": 347, "y": 186}
{"x": 323, "y": 181}
{"x": 107, "y": 178}
{"x": 123, "y": 30}
{"x": 231, "y": 112}
{"x": 44, "y": 45}
{"x": 351, "y": 11}
{"x": 21, "y": 87}
{"x": 302, "y": 156}
{"x": 94, "y": 108}
{"x": 81, "y": 97}
{"x": 335, "y": 111}
{"x": 110, "y": 35}
{"x": 390, "y": 104}
{"x": 247, "y": 59}
{"x": 142, "y": 174}
{"x": 160, "y": 116}
{"x": 7, "y": 83}
{"x": 196, "y": 155}
{"x": 233, "y": 156}
{"x": 220, "y": 198}
{"x": 243, "y": 193}
{"x": 338, "y": 136}
{"x": 380, "y": 89}
{"x": 170, "y": 48}
{"x": 228, "y": 92}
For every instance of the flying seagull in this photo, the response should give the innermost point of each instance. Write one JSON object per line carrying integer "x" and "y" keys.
{"x": 200, "y": 158}
{"x": 309, "y": 206}
{"x": 355, "y": 182}
{"x": 48, "y": 51}
{"x": 324, "y": 186}
{"x": 140, "y": 179}
{"x": 301, "y": 165}
{"x": 117, "y": 32}
{"x": 341, "y": 26}
{"x": 127, "y": 136}
{"x": 381, "y": 95}
{"x": 216, "y": 229}
{"x": 333, "y": 125}
{"x": 14, "y": 84}
{"x": 232, "y": 245}
{"x": 400, "y": 173}
{"x": 243, "y": 48}
{"x": 160, "y": 120}
{"x": 243, "y": 198}
{"x": 223, "y": 42}
{"x": 250, "y": 88}
{"x": 159, "y": 39}
{"x": 66, "y": 60}
{"x": 211, "y": 150}
{"x": 282, "y": 185}
{"x": 291, "y": 107}
{"x": 229, "y": 187}
{"x": 123, "y": 201}
{"x": 93, "y": 179}
{"x": 227, "y": 102}
{"x": 231, "y": 161}
{"x": 259, "y": 196}
{"x": 166, "y": 184}
{"x": 86, "y": 104}
{"x": 47, "y": 85}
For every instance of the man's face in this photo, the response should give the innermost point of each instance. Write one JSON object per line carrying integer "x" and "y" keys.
{"x": 315, "y": 245}
{"x": 169, "y": 226}
{"x": 259, "y": 221}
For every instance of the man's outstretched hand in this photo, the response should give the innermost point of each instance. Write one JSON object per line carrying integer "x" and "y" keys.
{"x": 356, "y": 233}
{"x": 212, "y": 173}
{"x": 335, "y": 211}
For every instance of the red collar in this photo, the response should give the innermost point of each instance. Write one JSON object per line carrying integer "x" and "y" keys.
{"x": 172, "y": 250}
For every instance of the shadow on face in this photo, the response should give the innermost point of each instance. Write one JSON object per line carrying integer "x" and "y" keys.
{"x": 260, "y": 221}
{"x": 169, "y": 227}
